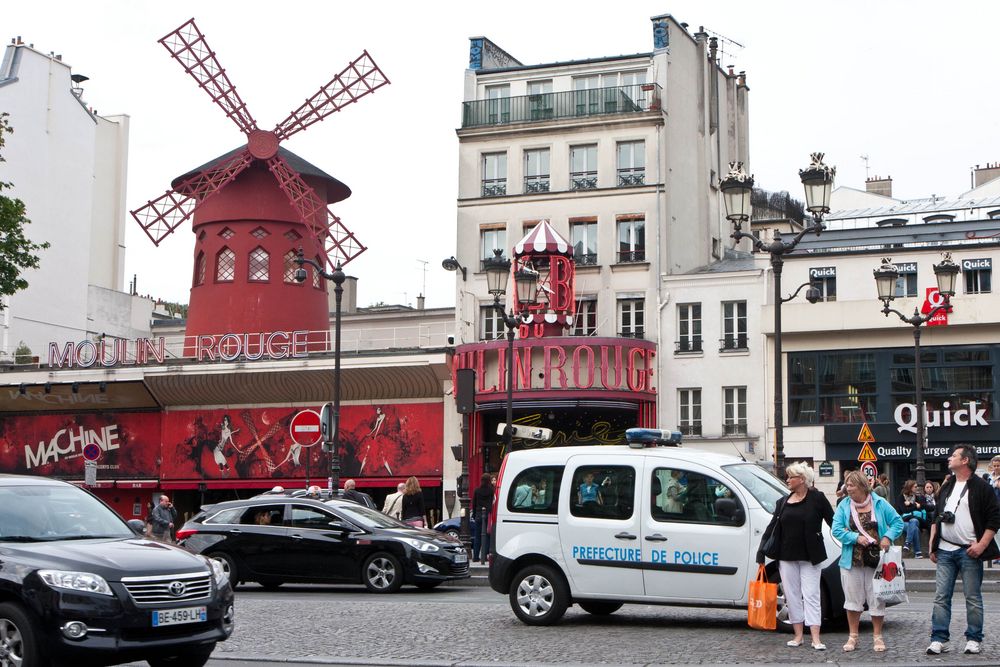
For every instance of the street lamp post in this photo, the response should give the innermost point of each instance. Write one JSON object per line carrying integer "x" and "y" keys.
{"x": 497, "y": 270}
{"x": 337, "y": 278}
{"x": 885, "y": 279}
{"x": 817, "y": 181}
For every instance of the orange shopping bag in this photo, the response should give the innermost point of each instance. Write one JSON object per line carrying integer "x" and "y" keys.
{"x": 762, "y": 603}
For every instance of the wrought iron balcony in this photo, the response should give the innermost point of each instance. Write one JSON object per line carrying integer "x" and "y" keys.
{"x": 569, "y": 104}
{"x": 482, "y": 262}
{"x": 631, "y": 256}
{"x": 729, "y": 343}
{"x": 688, "y": 345}
{"x": 634, "y": 333}
{"x": 495, "y": 187}
{"x": 631, "y": 177}
{"x": 582, "y": 180}
{"x": 534, "y": 184}
{"x": 734, "y": 429}
{"x": 690, "y": 429}
{"x": 586, "y": 259}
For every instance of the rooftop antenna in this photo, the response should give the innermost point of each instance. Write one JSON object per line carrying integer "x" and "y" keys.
{"x": 424, "y": 262}
{"x": 867, "y": 172}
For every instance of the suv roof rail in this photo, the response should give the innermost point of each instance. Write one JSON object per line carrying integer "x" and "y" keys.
{"x": 638, "y": 438}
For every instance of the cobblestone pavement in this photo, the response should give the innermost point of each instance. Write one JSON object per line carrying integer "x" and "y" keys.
{"x": 475, "y": 626}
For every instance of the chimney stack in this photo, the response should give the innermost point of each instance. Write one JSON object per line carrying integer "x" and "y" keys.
{"x": 420, "y": 302}
{"x": 879, "y": 186}
{"x": 985, "y": 174}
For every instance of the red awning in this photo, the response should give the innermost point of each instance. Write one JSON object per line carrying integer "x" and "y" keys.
{"x": 543, "y": 238}
{"x": 266, "y": 484}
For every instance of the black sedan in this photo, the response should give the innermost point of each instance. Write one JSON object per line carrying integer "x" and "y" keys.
{"x": 277, "y": 539}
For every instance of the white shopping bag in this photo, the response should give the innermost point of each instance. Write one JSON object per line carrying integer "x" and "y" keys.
{"x": 890, "y": 577}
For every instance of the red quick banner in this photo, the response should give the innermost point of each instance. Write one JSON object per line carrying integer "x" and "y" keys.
{"x": 243, "y": 443}
{"x": 236, "y": 443}
{"x": 52, "y": 445}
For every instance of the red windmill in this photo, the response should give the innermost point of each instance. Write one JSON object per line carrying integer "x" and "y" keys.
{"x": 244, "y": 219}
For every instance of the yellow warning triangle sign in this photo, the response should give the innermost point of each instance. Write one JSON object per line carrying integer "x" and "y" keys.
{"x": 867, "y": 454}
{"x": 865, "y": 436}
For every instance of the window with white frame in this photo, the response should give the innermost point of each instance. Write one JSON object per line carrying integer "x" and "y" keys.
{"x": 491, "y": 325}
{"x": 494, "y": 174}
{"x": 734, "y": 325}
{"x": 978, "y": 275}
{"x": 587, "y": 94}
{"x": 906, "y": 282}
{"x": 536, "y": 170}
{"x": 631, "y": 316}
{"x": 689, "y": 327}
{"x": 490, "y": 240}
{"x": 225, "y": 266}
{"x": 631, "y": 238}
{"x": 583, "y": 235}
{"x": 734, "y": 410}
{"x": 585, "y": 320}
{"x": 498, "y": 104}
{"x": 257, "y": 266}
{"x": 689, "y": 411}
{"x": 631, "y": 163}
{"x": 583, "y": 167}
{"x": 540, "y": 100}
{"x": 825, "y": 279}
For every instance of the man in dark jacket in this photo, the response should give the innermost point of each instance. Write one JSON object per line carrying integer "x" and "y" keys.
{"x": 162, "y": 519}
{"x": 482, "y": 503}
{"x": 967, "y": 518}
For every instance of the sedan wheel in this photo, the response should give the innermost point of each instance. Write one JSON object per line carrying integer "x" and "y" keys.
{"x": 539, "y": 595}
{"x": 382, "y": 573}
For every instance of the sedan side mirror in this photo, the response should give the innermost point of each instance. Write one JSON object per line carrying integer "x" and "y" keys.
{"x": 137, "y": 526}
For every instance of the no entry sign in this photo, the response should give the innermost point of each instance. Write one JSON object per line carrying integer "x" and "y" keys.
{"x": 92, "y": 452}
{"x": 305, "y": 428}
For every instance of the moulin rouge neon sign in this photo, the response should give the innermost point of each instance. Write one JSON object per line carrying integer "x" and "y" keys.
{"x": 141, "y": 351}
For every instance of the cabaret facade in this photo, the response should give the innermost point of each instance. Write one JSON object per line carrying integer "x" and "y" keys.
{"x": 580, "y": 155}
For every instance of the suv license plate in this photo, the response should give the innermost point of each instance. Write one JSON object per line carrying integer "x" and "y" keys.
{"x": 461, "y": 558}
{"x": 179, "y": 616}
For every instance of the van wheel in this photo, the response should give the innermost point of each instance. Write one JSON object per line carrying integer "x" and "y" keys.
{"x": 18, "y": 643}
{"x": 539, "y": 595}
{"x": 599, "y": 607}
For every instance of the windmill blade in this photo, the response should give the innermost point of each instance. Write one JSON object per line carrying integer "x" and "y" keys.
{"x": 188, "y": 46}
{"x": 340, "y": 243}
{"x": 161, "y": 216}
{"x": 302, "y": 197}
{"x": 361, "y": 77}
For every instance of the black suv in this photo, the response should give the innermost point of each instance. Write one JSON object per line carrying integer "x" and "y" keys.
{"x": 79, "y": 586}
{"x": 274, "y": 539}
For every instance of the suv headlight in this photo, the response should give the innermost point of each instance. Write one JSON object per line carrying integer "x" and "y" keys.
{"x": 76, "y": 581}
{"x": 420, "y": 545}
{"x": 219, "y": 573}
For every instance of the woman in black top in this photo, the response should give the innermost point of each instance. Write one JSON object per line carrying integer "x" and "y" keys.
{"x": 798, "y": 548}
{"x": 482, "y": 502}
{"x": 413, "y": 511}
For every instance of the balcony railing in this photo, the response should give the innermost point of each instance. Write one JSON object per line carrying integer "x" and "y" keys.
{"x": 582, "y": 180}
{"x": 569, "y": 104}
{"x": 631, "y": 256}
{"x": 690, "y": 429}
{"x": 734, "y": 429}
{"x": 687, "y": 345}
{"x": 494, "y": 187}
{"x": 586, "y": 259}
{"x": 635, "y": 333}
{"x": 631, "y": 177}
{"x": 534, "y": 184}
{"x": 482, "y": 262}
{"x": 730, "y": 343}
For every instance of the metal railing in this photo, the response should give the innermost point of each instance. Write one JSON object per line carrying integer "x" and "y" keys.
{"x": 631, "y": 177}
{"x": 687, "y": 345}
{"x": 636, "y": 333}
{"x": 582, "y": 180}
{"x": 734, "y": 429}
{"x": 738, "y": 342}
{"x": 494, "y": 187}
{"x": 631, "y": 256}
{"x": 534, "y": 184}
{"x": 690, "y": 429}
{"x": 569, "y": 104}
{"x": 586, "y": 259}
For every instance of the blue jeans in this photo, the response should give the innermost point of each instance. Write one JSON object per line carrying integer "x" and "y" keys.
{"x": 480, "y": 538}
{"x": 949, "y": 565}
{"x": 913, "y": 534}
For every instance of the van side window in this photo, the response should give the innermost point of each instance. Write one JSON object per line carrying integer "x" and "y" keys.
{"x": 536, "y": 490}
{"x": 603, "y": 492}
{"x": 690, "y": 497}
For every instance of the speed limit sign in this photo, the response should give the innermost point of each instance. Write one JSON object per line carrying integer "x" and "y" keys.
{"x": 870, "y": 471}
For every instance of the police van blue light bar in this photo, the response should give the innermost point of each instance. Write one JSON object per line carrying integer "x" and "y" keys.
{"x": 638, "y": 438}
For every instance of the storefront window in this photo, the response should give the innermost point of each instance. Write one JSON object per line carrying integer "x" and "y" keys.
{"x": 831, "y": 387}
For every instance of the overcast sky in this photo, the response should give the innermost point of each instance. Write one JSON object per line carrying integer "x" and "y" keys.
{"x": 909, "y": 84}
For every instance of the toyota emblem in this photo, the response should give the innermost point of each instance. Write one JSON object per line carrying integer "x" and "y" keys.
{"x": 177, "y": 588}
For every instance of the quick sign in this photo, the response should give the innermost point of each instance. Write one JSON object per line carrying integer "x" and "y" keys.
{"x": 906, "y": 417}
{"x": 823, "y": 272}
{"x": 984, "y": 263}
{"x": 906, "y": 268}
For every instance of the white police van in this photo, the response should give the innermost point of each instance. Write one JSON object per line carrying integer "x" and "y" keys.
{"x": 604, "y": 526}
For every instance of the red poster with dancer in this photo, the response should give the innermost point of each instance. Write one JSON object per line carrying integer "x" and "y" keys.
{"x": 255, "y": 443}
{"x": 52, "y": 445}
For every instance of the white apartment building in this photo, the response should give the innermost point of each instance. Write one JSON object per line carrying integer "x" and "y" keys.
{"x": 68, "y": 165}
{"x": 622, "y": 156}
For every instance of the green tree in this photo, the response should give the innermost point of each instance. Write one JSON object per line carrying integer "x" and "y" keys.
{"x": 17, "y": 253}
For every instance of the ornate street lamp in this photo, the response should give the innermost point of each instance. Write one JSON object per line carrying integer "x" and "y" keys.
{"x": 337, "y": 278}
{"x": 946, "y": 274}
{"x": 737, "y": 187}
{"x": 497, "y": 270}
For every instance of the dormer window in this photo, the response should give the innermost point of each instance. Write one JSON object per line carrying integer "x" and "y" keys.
{"x": 939, "y": 217}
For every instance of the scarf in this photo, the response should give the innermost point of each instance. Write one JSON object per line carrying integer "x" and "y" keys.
{"x": 857, "y": 520}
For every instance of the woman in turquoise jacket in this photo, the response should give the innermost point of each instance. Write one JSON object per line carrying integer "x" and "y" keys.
{"x": 863, "y": 519}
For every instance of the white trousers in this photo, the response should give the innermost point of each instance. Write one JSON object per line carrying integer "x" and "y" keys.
{"x": 800, "y": 581}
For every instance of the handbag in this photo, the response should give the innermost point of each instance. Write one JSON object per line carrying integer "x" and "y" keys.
{"x": 871, "y": 554}
{"x": 772, "y": 547}
{"x": 762, "y": 602}
{"x": 889, "y": 582}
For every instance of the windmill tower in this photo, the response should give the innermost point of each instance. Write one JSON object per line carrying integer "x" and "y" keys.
{"x": 254, "y": 207}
